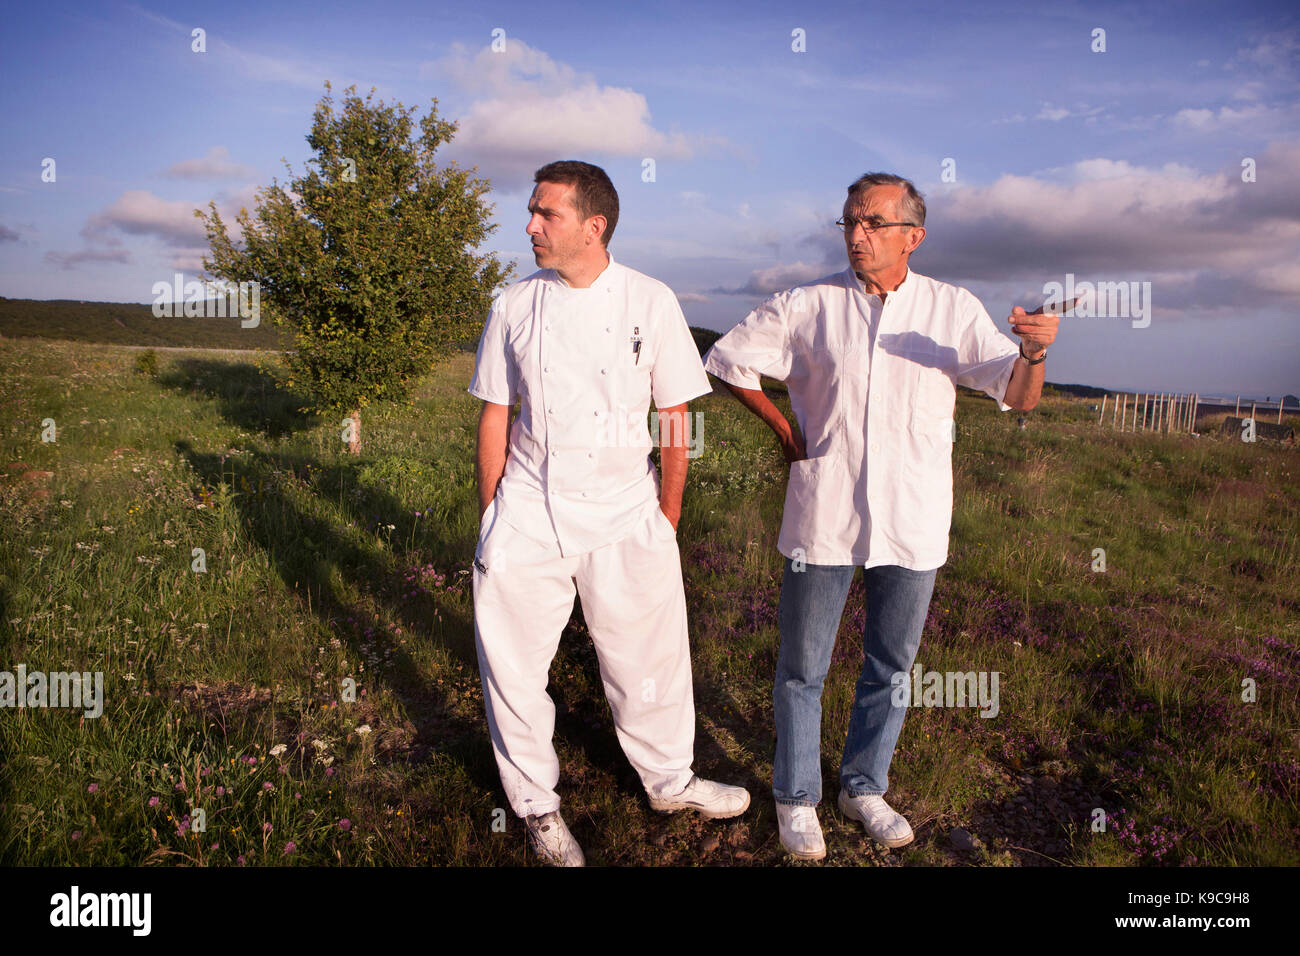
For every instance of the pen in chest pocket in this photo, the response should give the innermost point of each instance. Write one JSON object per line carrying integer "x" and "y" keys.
{"x": 636, "y": 343}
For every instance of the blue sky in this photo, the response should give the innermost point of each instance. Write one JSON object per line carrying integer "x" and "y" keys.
{"x": 1122, "y": 165}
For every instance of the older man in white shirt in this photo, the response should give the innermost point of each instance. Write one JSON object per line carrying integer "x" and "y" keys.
{"x": 571, "y": 502}
{"x": 871, "y": 357}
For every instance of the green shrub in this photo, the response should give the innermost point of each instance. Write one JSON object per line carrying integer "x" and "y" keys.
{"x": 146, "y": 363}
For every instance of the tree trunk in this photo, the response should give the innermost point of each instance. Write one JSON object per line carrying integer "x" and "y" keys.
{"x": 354, "y": 442}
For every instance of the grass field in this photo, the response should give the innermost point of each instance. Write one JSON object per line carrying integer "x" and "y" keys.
{"x": 1121, "y": 691}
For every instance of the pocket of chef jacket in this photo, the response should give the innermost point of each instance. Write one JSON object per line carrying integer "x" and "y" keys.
{"x": 634, "y": 380}
{"x": 665, "y": 526}
{"x": 929, "y": 437}
{"x": 927, "y": 466}
{"x": 813, "y": 501}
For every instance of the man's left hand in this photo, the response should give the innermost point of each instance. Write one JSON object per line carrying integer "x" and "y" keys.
{"x": 1036, "y": 332}
{"x": 674, "y": 516}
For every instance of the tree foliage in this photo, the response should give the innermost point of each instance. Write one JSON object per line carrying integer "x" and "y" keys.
{"x": 370, "y": 257}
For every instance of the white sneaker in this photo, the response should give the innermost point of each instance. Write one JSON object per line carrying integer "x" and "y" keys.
{"x": 801, "y": 834}
{"x": 553, "y": 841}
{"x": 882, "y": 823}
{"x": 712, "y": 800}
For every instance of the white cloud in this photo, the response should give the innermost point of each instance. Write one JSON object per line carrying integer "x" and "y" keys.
{"x": 1195, "y": 118}
{"x": 1208, "y": 119}
{"x": 138, "y": 212}
{"x": 1107, "y": 219}
{"x": 215, "y": 165}
{"x": 111, "y": 252}
{"x": 141, "y": 213}
{"x": 1277, "y": 51}
{"x": 1283, "y": 277}
{"x": 777, "y": 278}
{"x": 527, "y": 109}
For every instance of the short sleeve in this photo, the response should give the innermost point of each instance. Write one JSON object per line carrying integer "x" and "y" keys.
{"x": 985, "y": 356}
{"x": 496, "y": 379}
{"x": 677, "y": 374}
{"x": 758, "y": 345}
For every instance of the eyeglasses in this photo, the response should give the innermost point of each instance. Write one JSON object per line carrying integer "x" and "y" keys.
{"x": 847, "y": 223}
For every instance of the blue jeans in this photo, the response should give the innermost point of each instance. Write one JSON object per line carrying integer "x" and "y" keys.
{"x": 812, "y": 603}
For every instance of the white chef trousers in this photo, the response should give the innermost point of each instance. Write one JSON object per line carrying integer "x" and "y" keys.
{"x": 635, "y": 607}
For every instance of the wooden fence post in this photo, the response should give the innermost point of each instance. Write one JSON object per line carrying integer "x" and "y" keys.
{"x": 1102, "y": 416}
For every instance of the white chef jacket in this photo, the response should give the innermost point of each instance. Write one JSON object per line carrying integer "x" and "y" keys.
{"x": 578, "y": 470}
{"x": 876, "y": 411}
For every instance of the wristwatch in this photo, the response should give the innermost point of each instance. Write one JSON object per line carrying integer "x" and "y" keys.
{"x": 1036, "y": 361}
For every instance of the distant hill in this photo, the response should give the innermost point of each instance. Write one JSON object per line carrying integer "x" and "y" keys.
{"x": 127, "y": 323}
{"x": 1080, "y": 391}
{"x": 704, "y": 338}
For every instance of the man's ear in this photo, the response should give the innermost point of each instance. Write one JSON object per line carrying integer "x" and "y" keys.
{"x": 596, "y": 226}
{"x": 914, "y": 240}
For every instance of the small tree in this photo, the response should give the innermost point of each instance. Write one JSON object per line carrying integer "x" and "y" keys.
{"x": 369, "y": 258}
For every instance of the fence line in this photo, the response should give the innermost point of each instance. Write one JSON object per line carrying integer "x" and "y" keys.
{"x": 1172, "y": 413}
{"x": 1162, "y": 412}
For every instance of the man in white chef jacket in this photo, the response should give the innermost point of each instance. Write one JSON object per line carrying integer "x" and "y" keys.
{"x": 871, "y": 357}
{"x": 570, "y": 500}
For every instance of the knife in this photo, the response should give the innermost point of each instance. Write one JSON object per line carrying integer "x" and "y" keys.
{"x": 1056, "y": 308}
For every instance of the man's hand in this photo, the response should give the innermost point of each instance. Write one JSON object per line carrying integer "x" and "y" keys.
{"x": 1036, "y": 332}
{"x": 792, "y": 446}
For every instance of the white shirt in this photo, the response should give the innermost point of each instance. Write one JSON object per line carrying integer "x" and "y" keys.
{"x": 578, "y": 470}
{"x": 875, "y": 410}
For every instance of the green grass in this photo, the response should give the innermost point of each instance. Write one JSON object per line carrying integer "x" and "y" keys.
{"x": 1121, "y": 692}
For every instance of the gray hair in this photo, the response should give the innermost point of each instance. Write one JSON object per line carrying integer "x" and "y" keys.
{"x": 911, "y": 206}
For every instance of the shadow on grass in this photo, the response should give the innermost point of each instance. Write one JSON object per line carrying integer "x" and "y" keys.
{"x": 246, "y": 396}
{"x": 312, "y": 555}
{"x": 309, "y": 554}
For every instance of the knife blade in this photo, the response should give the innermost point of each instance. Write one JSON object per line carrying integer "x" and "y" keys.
{"x": 1056, "y": 308}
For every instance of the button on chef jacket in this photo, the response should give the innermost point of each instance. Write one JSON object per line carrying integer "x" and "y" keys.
{"x": 579, "y": 471}
{"x": 875, "y": 410}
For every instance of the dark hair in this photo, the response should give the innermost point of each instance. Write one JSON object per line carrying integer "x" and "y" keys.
{"x": 912, "y": 206}
{"x": 593, "y": 193}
